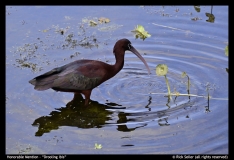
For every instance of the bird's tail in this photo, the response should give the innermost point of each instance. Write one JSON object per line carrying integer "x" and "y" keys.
{"x": 42, "y": 83}
{"x": 45, "y": 81}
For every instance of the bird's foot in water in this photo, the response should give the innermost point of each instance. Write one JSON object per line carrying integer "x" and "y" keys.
{"x": 77, "y": 100}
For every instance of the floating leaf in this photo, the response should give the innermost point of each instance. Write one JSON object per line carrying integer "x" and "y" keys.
{"x": 227, "y": 70}
{"x": 211, "y": 17}
{"x": 44, "y": 30}
{"x": 197, "y": 8}
{"x": 226, "y": 50}
{"x": 92, "y": 23}
{"x": 139, "y": 28}
{"x": 161, "y": 69}
{"x": 98, "y": 146}
{"x": 140, "y": 32}
{"x": 183, "y": 74}
{"x": 103, "y": 20}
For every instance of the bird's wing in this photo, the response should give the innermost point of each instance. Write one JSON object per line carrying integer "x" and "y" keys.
{"x": 71, "y": 81}
{"x": 78, "y": 75}
{"x": 75, "y": 81}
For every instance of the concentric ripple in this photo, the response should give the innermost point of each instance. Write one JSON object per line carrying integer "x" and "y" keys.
{"x": 143, "y": 95}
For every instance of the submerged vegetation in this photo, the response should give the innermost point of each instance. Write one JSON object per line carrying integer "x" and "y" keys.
{"x": 84, "y": 36}
{"x": 163, "y": 9}
{"x": 32, "y": 56}
{"x": 162, "y": 69}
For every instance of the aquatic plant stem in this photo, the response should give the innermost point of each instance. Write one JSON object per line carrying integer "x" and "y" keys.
{"x": 188, "y": 85}
{"x": 168, "y": 87}
{"x": 192, "y": 95}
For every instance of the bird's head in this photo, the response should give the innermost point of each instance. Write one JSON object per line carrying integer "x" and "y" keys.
{"x": 123, "y": 45}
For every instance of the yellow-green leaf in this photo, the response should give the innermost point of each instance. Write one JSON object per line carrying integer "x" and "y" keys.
{"x": 177, "y": 93}
{"x": 140, "y": 32}
{"x": 226, "y": 50}
{"x": 211, "y": 17}
{"x": 103, "y": 20}
{"x": 183, "y": 74}
{"x": 161, "y": 69}
{"x": 139, "y": 28}
{"x": 197, "y": 8}
{"x": 92, "y": 23}
{"x": 98, "y": 146}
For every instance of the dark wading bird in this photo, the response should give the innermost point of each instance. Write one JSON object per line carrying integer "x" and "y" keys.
{"x": 82, "y": 76}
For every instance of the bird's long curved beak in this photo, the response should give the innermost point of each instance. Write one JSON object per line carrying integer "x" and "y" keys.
{"x": 133, "y": 50}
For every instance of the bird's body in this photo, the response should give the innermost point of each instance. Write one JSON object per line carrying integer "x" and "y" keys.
{"x": 82, "y": 76}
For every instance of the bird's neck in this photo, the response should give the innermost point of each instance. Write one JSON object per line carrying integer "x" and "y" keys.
{"x": 114, "y": 69}
{"x": 119, "y": 62}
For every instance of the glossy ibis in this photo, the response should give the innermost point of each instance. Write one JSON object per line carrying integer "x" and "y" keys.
{"x": 82, "y": 76}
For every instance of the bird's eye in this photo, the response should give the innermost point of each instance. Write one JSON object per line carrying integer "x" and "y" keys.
{"x": 129, "y": 46}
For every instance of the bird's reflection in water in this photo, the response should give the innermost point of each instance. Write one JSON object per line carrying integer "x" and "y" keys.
{"x": 97, "y": 115}
{"x": 76, "y": 114}
{"x": 123, "y": 120}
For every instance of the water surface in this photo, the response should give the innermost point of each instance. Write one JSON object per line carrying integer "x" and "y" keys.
{"x": 129, "y": 113}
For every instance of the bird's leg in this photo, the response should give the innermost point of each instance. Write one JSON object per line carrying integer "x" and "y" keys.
{"x": 87, "y": 94}
{"x": 77, "y": 96}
